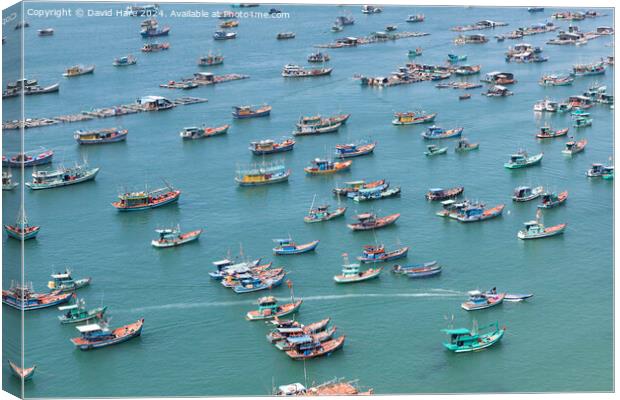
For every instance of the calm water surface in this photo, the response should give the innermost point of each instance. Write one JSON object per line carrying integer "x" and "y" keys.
{"x": 195, "y": 339}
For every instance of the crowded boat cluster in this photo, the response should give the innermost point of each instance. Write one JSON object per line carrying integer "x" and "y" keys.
{"x": 243, "y": 275}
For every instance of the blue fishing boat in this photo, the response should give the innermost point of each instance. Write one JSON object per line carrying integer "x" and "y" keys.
{"x": 21, "y": 230}
{"x": 355, "y": 149}
{"x": 375, "y": 254}
{"x": 598, "y": 170}
{"x": 463, "y": 340}
{"x": 98, "y": 335}
{"x": 24, "y": 298}
{"x": 268, "y": 283}
{"x": 28, "y": 159}
{"x": 436, "y": 132}
{"x": 269, "y": 146}
{"x": 100, "y": 136}
{"x": 476, "y": 213}
{"x": 289, "y": 247}
{"x": 227, "y": 267}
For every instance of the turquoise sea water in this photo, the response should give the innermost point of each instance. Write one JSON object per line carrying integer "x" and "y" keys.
{"x": 195, "y": 339}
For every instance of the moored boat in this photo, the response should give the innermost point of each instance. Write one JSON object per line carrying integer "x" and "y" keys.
{"x": 318, "y": 57}
{"x": 268, "y": 308}
{"x": 351, "y": 188}
{"x": 553, "y": 199}
{"x": 171, "y": 237}
{"x": 476, "y": 213}
{"x": 405, "y": 269}
{"x": 46, "y": 32}
{"x": 210, "y": 59}
{"x": 411, "y": 118}
{"x": 598, "y": 170}
{"x": 436, "y": 194}
{"x": 351, "y": 272}
{"x": 100, "y": 136}
{"x": 537, "y": 230}
{"x": 463, "y": 146}
{"x": 320, "y": 166}
{"x": 376, "y": 254}
{"x": 574, "y": 147}
{"x": 368, "y": 221}
{"x": 479, "y": 301}
{"x": 335, "y": 387}
{"x": 546, "y": 132}
{"x": 526, "y": 193}
{"x": 263, "y": 174}
{"x": 155, "y": 47}
{"x": 260, "y": 284}
{"x": 269, "y": 146}
{"x": 317, "y": 129}
{"x": 522, "y": 159}
{"x": 415, "y": 52}
{"x": 78, "y": 70}
{"x": 295, "y": 71}
{"x": 194, "y": 132}
{"x": 22, "y": 230}
{"x": 62, "y": 177}
{"x": 28, "y": 159}
{"x": 77, "y": 312}
{"x": 285, "y": 35}
{"x": 376, "y": 193}
{"x": 433, "y": 150}
{"x": 143, "y": 200}
{"x": 7, "y": 181}
{"x": 223, "y": 35}
{"x": 241, "y": 112}
{"x": 24, "y": 298}
{"x": 463, "y": 340}
{"x": 98, "y": 335}
{"x": 422, "y": 272}
{"x": 415, "y": 18}
{"x": 289, "y": 247}
{"x": 24, "y": 374}
{"x": 308, "y": 348}
{"x": 64, "y": 282}
{"x": 355, "y": 149}
{"x": 125, "y": 61}
{"x": 582, "y": 121}
{"x": 436, "y": 132}
{"x": 322, "y": 213}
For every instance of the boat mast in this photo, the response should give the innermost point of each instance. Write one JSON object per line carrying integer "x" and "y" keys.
{"x": 312, "y": 205}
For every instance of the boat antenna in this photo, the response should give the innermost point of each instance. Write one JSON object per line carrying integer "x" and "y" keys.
{"x": 166, "y": 183}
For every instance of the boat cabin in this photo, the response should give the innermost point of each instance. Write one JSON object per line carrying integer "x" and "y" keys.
{"x": 267, "y": 305}
{"x": 155, "y": 103}
{"x": 348, "y": 41}
{"x": 522, "y": 192}
{"x": 533, "y": 227}
{"x": 294, "y": 389}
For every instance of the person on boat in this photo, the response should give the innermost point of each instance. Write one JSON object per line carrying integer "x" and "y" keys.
{"x": 494, "y": 290}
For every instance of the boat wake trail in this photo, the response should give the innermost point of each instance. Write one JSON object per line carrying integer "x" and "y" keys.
{"x": 436, "y": 293}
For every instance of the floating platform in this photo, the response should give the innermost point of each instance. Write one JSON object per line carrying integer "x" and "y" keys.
{"x": 376, "y": 37}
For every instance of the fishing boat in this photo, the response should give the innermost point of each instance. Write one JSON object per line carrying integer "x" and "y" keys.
{"x": 297, "y": 334}
{"x": 536, "y": 229}
{"x": 286, "y": 328}
{"x": 7, "y": 181}
{"x": 526, "y": 193}
{"x": 552, "y": 199}
{"x": 608, "y": 175}
{"x": 193, "y": 132}
{"x": 455, "y": 58}
{"x": 582, "y": 122}
{"x": 289, "y": 247}
{"x": 376, "y": 193}
{"x": 436, "y": 132}
{"x": 228, "y": 267}
{"x": 241, "y": 112}
{"x": 210, "y": 59}
{"x": 143, "y": 200}
{"x": 306, "y": 348}
{"x": 405, "y": 269}
{"x": 480, "y": 301}
{"x": 46, "y": 32}
{"x": 588, "y": 69}
{"x": 412, "y": 117}
{"x": 477, "y": 213}
{"x": 535, "y": 9}
{"x": 269, "y": 146}
{"x": 98, "y": 335}
{"x": 322, "y": 213}
{"x": 465, "y": 96}
{"x": 369, "y": 221}
{"x": 223, "y": 35}
{"x": 424, "y": 271}
{"x": 522, "y": 159}
{"x": 463, "y": 340}
{"x": 28, "y": 159}
{"x": 376, "y": 254}
{"x": 335, "y": 387}
{"x": 155, "y": 47}
{"x": 64, "y": 282}
{"x": 263, "y": 174}
{"x": 574, "y": 147}
{"x": 320, "y": 166}
{"x": 154, "y": 31}
{"x": 285, "y": 35}
{"x": 464, "y": 146}
{"x": 345, "y": 20}
{"x": 318, "y": 57}
{"x": 171, "y": 237}
{"x": 24, "y": 374}
{"x": 62, "y": 176}
{"x": 295, "y": 71}
{"x": 547, "y": 133}
{"x": 497, "y": 91}
{"x": 260, "y": 284}
{"x": 414, "y": 53}
{"x": 368, "y": 9}
{"x": 433, "y": 150}
{"x": 466, "y": 70}
{"x": 350, "y": 189}
{"x": 355, "y": 149}
{"x": 598, "y": 170}
{"x": 268, "y": 308}
{"x": 318, "y": 120}
{"x": 24, "y": 298}
{"x": 253, "y": 279}
{"x": 229, "y": 24}
{"x": 438, "y": 194}
{"x": 556, "y": 80}
{"x": 317, "y": 129}
{"x": 100, "y": 136}
{"x": 415, "y": 18}
{"x": 27, "y": 87}
{"x": 78, "y": 70}
{"x": 77, "y": 312}
{"x": 351, "y": 272}
{"x": 125, "y": 61}
{"x": 22, "y": 230}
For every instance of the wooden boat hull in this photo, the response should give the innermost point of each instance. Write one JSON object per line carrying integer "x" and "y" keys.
{"x": 173, "y": 197}
{"x": 389, "y": 256}
{"x": 256, "y": 114}
{"x": 279, "y": 179}
{"x": 418, "y": 120}
{"x": 364, "y": 276}
{"x": 121, "y": 136}
{"x": 300, "y": 249}
{"x": 338, "y": 213}
{"x": 279, "y": 149}
{"x": 550, "y": 231}
{"x": 530, "y": 161}
{"x": 445, "y": 195}
{"x": 22, "y": 373}
{"x": 268, "y": 284}
{"x": 43, "y": 158}
{"x": 127, "y": 332}
{"x": 85, "y": 71}
{"x": 91, "y": 175}
{"x": 536, "y": 193}
{"x": 362, "y": 151}
{"x": 562, "y": 197}
{"x": 451, "y": 133}
{"x": 207, "y": 133}
{"x": 558, "y": 133}
{"x": 292, "y": 307}
{"x": 469, "y": 306}
{"x": 328, "y": 348}
{"x": 381, "y": 222}
{"x": 383, "y": 194}
{"x": 11, "y": 232}
{"x": 470, "y": 147}
{"x": 338, "y": 167}
{"x": 54, "y": 301}
{"x": 416, "y": 273}
{"x": 183, "y": 239}
{"x": 487, "y": 214}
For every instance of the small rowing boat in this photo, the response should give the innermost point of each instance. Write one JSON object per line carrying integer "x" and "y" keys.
{"x": 434, "y": 150}
{"x": 480, "y": 301}
{"x": 172, "y": 237}
{"x": 100, "y": 136}
{"x": 269, "y": 146}
{"x": 98, "y": 335}
{"x": 351, "y": 272}
{"x": 368, "y": 221}
{"x": 526, "y": 193}
{"x": 268, "y": 308}
{"x": 436, "y": 132}
{"x": 289, "y": 247}
{"x": 376, "y": 254}
{"x": 552, "y": 199}
{"x": 547, "y": 133}
{"x": 193, "y": 132}
{"x": 320, "y": 166}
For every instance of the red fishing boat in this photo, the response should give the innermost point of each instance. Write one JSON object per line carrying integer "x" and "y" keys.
{"x": 305, "y": 350}
{"x": 375, "y": 254}
{"x": 547, "y": 133}
{"x": 136, "y": 201}
{"x": 98, "y": 335}
{"x": 24, "y": 298}
{"x": 369, "y": 221}
{"x": 444, "y": 194}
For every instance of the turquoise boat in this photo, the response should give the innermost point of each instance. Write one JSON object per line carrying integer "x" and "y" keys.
{"x": 454, "y": 58}
{"x": 463, "y": 340}
{"x": 521, "y": 160}
{"x": 432, "y": 150}
{"x": 77, "y": 312}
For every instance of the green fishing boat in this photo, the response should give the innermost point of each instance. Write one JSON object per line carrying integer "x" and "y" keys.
{"x": 521, "y": 160}
{"x": 433, "y": 150}
{"x": 77, "y": 312}
{"x": 463, "y": 340}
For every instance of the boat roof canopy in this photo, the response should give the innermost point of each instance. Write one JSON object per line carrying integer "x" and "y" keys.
{"x": 69, "y": 307}
{"x": 88, "y": 328}
{"x": 458, "y": 331}
{"x": 63, "y": 275}
{"x": 299, "y": 339}
{"x": 292, "y": 388}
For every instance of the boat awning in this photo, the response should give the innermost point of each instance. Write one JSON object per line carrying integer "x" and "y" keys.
{"x": 448, "y": 202}
{"x": 61, "y": 276}
{"x": 299, "y": 339}
{"x": 474, "y": 293}
{"x": 290, "y": 330}
{"x": 459, "y": 331}
{"x": 70, "y": 307}
{"x": 220, "y": 263}
{"x": 88, "y": 328}
{"x": 435, "y": 190}
{"x": 291, "y": 389}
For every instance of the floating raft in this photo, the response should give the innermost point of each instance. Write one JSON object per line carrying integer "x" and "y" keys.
{"x": 106, "y": 112}
{"x": 376, "y": 37}
{"x": 202, "y": 79}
